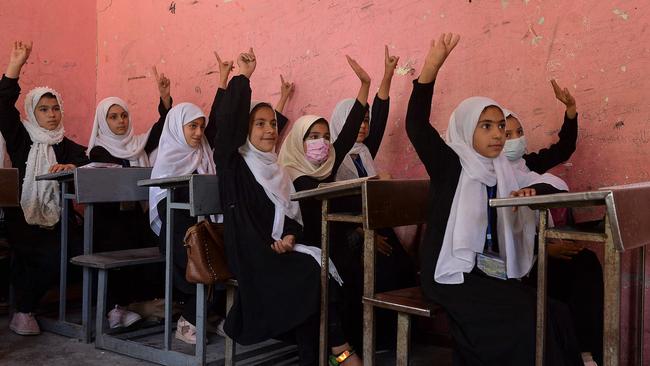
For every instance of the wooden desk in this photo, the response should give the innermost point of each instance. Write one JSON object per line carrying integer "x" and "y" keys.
{"x": 627, "y": 227}
{"x": 384, "y": 203}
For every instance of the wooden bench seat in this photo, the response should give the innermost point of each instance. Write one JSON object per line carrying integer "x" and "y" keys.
{"x": 407, "y": 300}
{"x": 119, "y": 258}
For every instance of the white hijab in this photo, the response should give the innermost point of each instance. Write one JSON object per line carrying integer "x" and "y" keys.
{"x": 465, "y": 230}
{"x": 176, "y": 157}
{"x": 348, "y": 170}
{"x": 128, "y": 146}
{"x": 275, "y": 180}
{"x": 519, "y": 164}
{"x": 40, "y": 200}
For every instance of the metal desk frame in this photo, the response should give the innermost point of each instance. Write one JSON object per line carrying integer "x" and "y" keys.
{"x": 378, "y": 210}
{"x": 615, "y": 241}
{"x": 91, "y": 185}
{"x": 203, "y": 201}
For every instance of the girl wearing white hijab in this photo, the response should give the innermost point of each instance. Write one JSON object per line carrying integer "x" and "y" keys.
{"x": 540, "y": 162}
{"x": 112, "y": 139}
{"x": 472, "y": 255}
{"x": 36, "y": 146}
{"x": 278, "y": 293}
{"x": 183, "y": 150}
{"x": 575, "y": 275}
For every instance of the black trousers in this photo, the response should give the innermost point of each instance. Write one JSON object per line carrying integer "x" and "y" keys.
{"x": 36, "y": 255}
{"x": 578, "y": 283}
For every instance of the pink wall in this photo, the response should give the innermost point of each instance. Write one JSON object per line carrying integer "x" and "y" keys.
{"x": 509, "y": 51}
{"x": 64, "y": 54}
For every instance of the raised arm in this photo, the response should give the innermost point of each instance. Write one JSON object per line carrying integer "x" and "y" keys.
{"x": 348, "y": 135}
{"x": 556, "y": 154}
{"x": 225, "y": 67}
{"x": 432, "y": 150}
{"x": 380, "y": 105}
{"x": 286, "y": 92}
{"x": 164, "y": 105}
{"x": 232, "y": 118}
{"x": 10, "y": 125}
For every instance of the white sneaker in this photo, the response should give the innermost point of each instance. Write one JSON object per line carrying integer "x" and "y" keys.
{"x": 120, "y": 317}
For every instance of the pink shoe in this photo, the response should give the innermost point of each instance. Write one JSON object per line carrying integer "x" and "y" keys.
{"x": 185, "y": 331}
{"x": 24, "y": 324}
{"x": 120, "y": 317}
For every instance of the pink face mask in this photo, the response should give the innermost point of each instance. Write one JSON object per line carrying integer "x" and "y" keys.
{"x": 317, "y": 151}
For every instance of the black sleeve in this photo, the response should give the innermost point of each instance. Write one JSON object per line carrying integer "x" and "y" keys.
{"x": 232, "y": 119}
{"x": 211, "y": 128}
{"x": 348, "y": 135}
{"x": 432, "y": 150}
{"x": 11, "y": 127}
{"x": 379, "y": 118}
{"x": 156, "y": 129}
{"x": 98, "y": 154}
{"x": 74, "y": 153}
{"x": 556, "y": 154}
{"x": 545, "y": 188}
{"x": 292, "y": 227}
{"x": 282, "y": 121}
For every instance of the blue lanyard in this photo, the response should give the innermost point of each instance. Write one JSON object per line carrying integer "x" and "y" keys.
{"x": 361, "y": 170}
{"x": 492, "y": 193}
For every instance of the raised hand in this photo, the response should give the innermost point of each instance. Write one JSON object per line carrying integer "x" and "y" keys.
{"x": 247, "y": 63}
{"x": 164, "y": 87}
{"x": 364, "y": 90}
{"x": 361, "y": 73}
{"x": 20, "y": 52}
{"x": 390, "y": 62}
{"x": 225, "y": 67}
{"x": 565, "y": 97}
{"x": 438, "y": 52}
{"x": 286, "y": 91}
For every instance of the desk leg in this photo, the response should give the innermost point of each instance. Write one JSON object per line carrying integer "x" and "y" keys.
{"x": 100, "y": 316}
{"x": 169, "y": 260}
{"x": 200, "y": 324}
{"x": 640, "y": 306}
{"x": 368, "y": 291}
{"x": 230, "y": 343}
{"x": 540, "y": 331}
{"x": 612, "y": 321}
{"x": 86, "y": 305}
{"x": 324, "y": 285}
{"x": 63, "y": 277}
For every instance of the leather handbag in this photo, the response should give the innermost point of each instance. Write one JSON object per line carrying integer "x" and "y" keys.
{"x": 206, "y": 254}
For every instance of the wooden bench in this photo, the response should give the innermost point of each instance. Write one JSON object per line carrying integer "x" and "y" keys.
{"x": 119, "y": 258}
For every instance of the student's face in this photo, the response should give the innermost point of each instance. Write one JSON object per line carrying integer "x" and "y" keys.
{"x": 263, "y": 131}
{"x": 117, "y": 119}
{"x": 48, "y": 113}
{"x": 193, "y": 132}
{"x": 319, "y": 130}
{"x": 513, "y": 128}
{"x": 490, "y": 134}
{"x": 363, "y": 131}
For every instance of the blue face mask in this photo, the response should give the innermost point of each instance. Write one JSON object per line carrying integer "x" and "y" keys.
{"x": 515, "y": 149}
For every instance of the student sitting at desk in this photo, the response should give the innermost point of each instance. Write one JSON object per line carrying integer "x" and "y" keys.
{"x": 473, "y": 255}
{"x": 113, "y": 141}
{"x": 279, "y": 293}
{"x": 575, "y": 275}
{"x": 183, "y": 150}
{"x": 395, "y": 269}
{"x": 36, "y": 146}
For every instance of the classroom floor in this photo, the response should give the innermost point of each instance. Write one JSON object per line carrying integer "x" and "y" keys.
{"x": 50, "y": 350}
